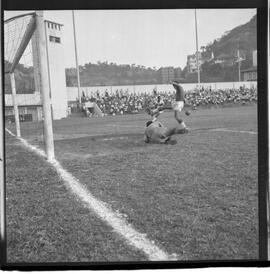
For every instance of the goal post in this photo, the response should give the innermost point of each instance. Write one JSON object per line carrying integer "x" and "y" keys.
{"x": 15, "y": 105}
{"x": 44, "y": 84}
{"x": 18, "y": 32}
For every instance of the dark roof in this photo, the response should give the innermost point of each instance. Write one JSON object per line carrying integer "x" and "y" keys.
{"x": 224, "y": 56}
{"x": 23, "y": 106}
{"x": 249, "y": 69}
{"x": 206, "y": 54}
{"x": 53, "y": 22}
{"x": 191, "y": 56}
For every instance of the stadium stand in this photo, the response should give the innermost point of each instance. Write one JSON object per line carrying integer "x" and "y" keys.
{"x": 130, "y": 103}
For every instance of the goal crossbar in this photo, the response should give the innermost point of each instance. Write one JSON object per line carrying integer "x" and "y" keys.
{"x": 25, "y": 40}
{"x": 18, "y": 16}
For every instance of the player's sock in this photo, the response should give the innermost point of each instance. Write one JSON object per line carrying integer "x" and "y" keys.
{"x": 183, "y": 125}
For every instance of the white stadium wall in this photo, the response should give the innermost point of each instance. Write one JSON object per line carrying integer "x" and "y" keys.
{"x": 24, "y": 99}
{"x": 72, "y": 92}
{"x": 57, "y": 76}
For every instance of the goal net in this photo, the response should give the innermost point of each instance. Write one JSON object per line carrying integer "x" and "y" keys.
{"x": 25, "y": 69}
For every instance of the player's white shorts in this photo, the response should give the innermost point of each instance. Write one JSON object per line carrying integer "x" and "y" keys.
{"x": 178, "y": 105}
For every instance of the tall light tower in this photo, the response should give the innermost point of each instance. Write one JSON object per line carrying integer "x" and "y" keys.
{"x": 197, "y": 53}
{"x": 239, "y": 60}
{"x": 76, "y": 57}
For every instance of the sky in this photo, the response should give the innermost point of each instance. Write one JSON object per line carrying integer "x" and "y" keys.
{"x": 152, "y": 38}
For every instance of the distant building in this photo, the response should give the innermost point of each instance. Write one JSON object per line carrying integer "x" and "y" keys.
{"x": 177, "y": 74}
{"x": 225, "y": 60}
{"x": 166, "y": 74}
{"x": 250, "y": 74}
{"x": 202, "y": 58}
{"x": 254, "y": 58}
{"x": 207, "y": 56}
{"x": 29, "y": 107}
{"x": 192, "y": 62}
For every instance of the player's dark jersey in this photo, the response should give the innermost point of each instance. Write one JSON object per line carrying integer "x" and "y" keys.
{"x": 180, "y": 93}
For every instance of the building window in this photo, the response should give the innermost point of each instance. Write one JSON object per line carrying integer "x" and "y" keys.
{"x": 55, "y": 39}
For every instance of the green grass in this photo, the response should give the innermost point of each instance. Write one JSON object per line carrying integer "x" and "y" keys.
{"x": 198, "y": 198}
{"x": 44, "y": 221}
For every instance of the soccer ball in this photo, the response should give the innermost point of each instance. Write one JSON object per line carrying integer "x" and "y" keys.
{"x": 187, "y": 112}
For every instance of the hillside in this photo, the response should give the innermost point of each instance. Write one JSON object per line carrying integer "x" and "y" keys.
{"x": 243, "y": 37}
{"x": 104, "y": 73}
{"x": 24, "y": 78}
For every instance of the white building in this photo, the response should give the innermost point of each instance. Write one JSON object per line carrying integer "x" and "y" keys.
{"x": 254, "y": 58}
{"x": 57, "y": 78}
{"x": 202, "y": 58}
{"x": 250, "y": 74}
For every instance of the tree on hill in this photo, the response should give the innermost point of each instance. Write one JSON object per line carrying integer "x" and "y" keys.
{"x": 104, "y": 73}
{"x": 242, "y": 38}
{"x": 24, "y": 79}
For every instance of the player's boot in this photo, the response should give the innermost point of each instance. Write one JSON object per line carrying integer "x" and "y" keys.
{"x": 185, "y": 130}
{"x": 182, "y": 131}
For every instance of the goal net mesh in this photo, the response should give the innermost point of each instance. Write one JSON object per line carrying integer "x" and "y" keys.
{"x": 15, "y": 30}
{"x": 20, "y": 55}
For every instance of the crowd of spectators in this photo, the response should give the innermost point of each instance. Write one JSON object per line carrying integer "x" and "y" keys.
{"x": 221, "y": 96}
{"x": 127, "y": 102}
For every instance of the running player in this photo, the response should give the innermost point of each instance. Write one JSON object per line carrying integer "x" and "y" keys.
{"x": 178, "y": 104}
{"x": 154, "y": 113}
{"x": 157, "y": 133}
{"x": 155, "y": 108}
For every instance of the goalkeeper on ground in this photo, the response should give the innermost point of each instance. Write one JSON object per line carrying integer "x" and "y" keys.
{"x": 157, "y": 133}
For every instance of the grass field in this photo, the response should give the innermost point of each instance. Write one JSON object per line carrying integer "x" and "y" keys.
{"x": 197, "y": 199}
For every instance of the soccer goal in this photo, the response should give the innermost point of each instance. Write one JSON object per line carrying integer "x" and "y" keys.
{"x": 26, "y": 75}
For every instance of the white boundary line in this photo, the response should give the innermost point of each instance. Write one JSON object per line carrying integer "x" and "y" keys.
{"x": 120, "y": 226}
{"x": 229, "y": 130}
{"x": 115, "y": 138}
{"x": 10, "y": 132}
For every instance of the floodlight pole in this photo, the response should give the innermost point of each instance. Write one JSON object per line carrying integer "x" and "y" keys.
{"x": 239, "y": 60}
{"x": 239, "y": 71}
{"x": 2, "y": 177}
{"x": 197, "y": 53}
{"x": 76, "y": 57}
{"x": 15, "y": 106}
{"x": 239, "y": 65}
{"x": 44, "y": 85}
